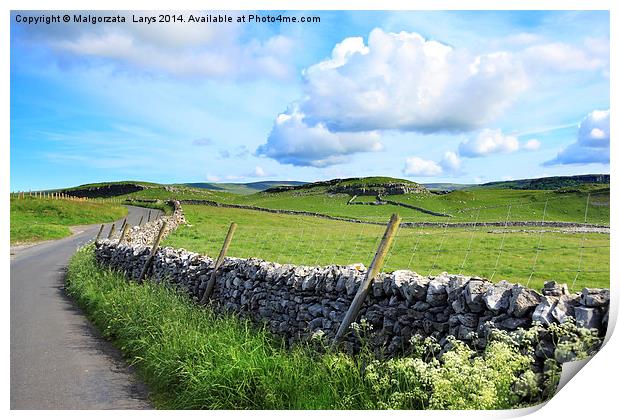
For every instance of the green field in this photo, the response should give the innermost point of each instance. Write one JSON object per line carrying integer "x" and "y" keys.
{"x": 530, "y": 258}
{"x": 36, "y": 219}
{"x": 469, "y": 205}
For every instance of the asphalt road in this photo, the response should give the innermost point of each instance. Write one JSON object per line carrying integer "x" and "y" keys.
{"x": 58, "y": 359}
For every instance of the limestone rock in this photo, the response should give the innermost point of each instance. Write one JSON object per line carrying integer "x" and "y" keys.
{"x": 474, "y": 292}
{"x": 497, "y": 297}
{"x": 552, "y": 288}
{"x": 523, "y": 301}
{"x": 543, "y": 312}
{"x": 595, "y": 298}
{"x": 588, "y": 317}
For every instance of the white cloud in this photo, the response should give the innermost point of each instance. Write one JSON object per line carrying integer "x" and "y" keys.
{"x": 293, "y": 140}
{"x": 451, "y": 162}
{"x": 185, "y": 50}
{"x": 259, "y": 172}
{"x": 416, "y": 166}
{"x": 397, "y": 81}
{"x": 592, "y": 145}
{"x": 559, "y": 56}
{"x": 532, "y": 144}
{"x": 487, "y": 142}
{"x": 403, "y": 81}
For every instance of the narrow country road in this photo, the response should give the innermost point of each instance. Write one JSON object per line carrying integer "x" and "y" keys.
{"x": 58, "y": 360}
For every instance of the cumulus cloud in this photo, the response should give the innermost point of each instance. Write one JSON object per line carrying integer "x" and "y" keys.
{"x": 184, "y": 50}
{"x": 259, "y": 172}
{"x": 451, "y": 162}
{"x": 417, "y": 166}
{"x": 397, "y": 81}
{"x": 295, "y": 141}
{"x": 592, "y": 145}
{"x": 403, "y": 81}
{"x": 532, "y": 144}
{"x": 487, "y": 142}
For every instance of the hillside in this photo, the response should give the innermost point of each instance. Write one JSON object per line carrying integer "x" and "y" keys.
{"x": 358, "y": 186}
{"x": 446, "y": 186}
{"x": 549, "y": 183}
{"x": 415, "y": 203}
{"x": 242, "y": 188}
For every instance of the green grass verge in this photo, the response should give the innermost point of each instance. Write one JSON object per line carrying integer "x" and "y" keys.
{"x": 36, "y": 219}
{"x": 314, "y": 241}
{"x": 192, "y": 358}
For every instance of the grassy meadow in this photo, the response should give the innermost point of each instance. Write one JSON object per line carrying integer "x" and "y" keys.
{"x": 39, "y": 219}
{"x": 474, "y": 204}
{"x": 530, "y": 257}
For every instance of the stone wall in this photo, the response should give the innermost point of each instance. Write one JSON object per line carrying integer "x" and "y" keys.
{"x": 298, "y": 301}
{"x": 145, "y": 234}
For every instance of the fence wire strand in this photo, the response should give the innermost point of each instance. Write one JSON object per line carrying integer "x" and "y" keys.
{"x": 501, "y": 247}
{"x": 583, "y": 238}
{"x": 538, "y": 245}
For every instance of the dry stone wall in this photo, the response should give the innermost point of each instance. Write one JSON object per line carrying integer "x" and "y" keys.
{"x": 299, "y": 301}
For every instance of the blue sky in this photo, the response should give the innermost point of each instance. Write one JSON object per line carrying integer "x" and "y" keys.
{"x": 429, "y": 96}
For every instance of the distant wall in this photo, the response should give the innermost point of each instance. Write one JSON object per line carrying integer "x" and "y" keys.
{"x": 298, "y": 301}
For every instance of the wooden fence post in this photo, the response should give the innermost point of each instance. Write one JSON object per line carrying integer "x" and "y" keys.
{"x": 124, "y": 223}
{"x": 99, "y": 233}
{"x": 149, "y": 260}
{"x": 111, "y": 231}
{"x": 218, "y": 263}
{"x": 125, "y": 228}
{"x": 141, "y": 219}
{"x": 373, "y": 270}
{"x": 148, "y": 217}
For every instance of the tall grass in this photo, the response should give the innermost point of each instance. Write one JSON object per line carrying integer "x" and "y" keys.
{"x": 192, "y": 358}
{"x": 37, "y": 219}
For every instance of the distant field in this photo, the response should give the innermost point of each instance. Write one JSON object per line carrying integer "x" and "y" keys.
{"x": 473, "y": 205}
{"x": 35, "y": 219}
{"x": 314, "y": 241}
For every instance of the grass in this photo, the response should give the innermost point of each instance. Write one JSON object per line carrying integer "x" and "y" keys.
{"x": 36, "y": 219}
{"x": 314, "y": 241}
{"x": 465, "y": 205}
{"x": 494, "y": 205}
{"x": 192, "y": 358}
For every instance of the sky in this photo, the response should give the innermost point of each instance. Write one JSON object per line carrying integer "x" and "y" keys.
{"x": 450, "y": 96}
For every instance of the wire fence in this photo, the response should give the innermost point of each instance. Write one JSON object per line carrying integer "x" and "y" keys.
{"x": 529, "y": 255}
